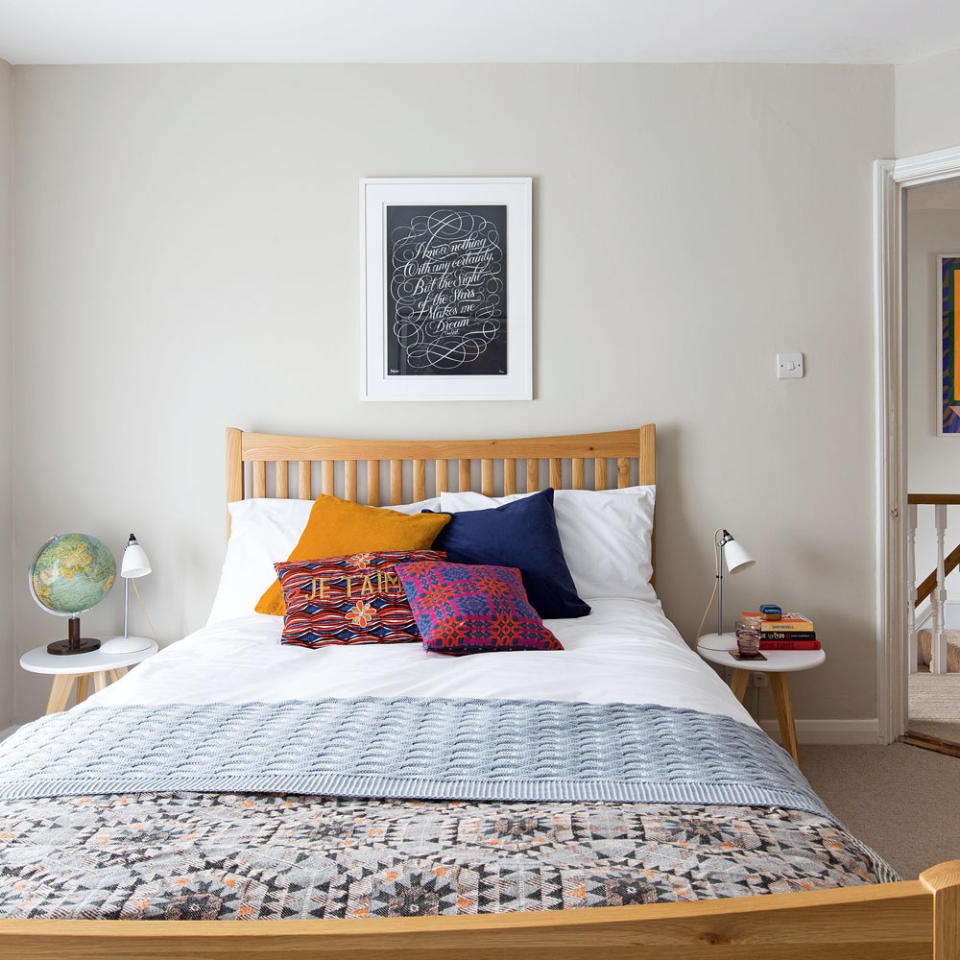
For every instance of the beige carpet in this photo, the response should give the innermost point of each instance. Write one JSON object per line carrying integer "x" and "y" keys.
{"x": 899, "y": 800}
{"x": 935, "y": 705}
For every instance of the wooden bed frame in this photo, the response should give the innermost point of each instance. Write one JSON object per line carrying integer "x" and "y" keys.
{"x": 893, "y": 921}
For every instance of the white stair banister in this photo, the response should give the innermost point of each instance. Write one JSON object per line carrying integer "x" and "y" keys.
{"x": 939, "y": 597}
{"x": 913, "y": 655}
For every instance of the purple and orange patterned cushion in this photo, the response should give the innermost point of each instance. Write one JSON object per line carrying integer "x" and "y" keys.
{"x": 352, "y": 599}
{"x": 461, "y": 608}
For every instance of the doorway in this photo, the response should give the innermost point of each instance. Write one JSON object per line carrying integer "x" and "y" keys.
{"x": 931, "y": 301}
{"x": 917, "y": 225}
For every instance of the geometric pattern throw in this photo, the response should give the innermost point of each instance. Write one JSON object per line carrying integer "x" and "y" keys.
{"x": 234, "y": 856}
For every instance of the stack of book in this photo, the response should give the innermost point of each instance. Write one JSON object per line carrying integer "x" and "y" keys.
{"x": 790, "y": 631}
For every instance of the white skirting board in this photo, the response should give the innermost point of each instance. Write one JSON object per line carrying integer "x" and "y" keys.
{"x": 829, "y": 731}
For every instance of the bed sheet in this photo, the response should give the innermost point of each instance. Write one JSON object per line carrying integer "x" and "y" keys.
{"x": 625, "y": 651}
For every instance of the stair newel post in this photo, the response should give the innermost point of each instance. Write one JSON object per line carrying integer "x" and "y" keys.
{"x": 939, "y": 597}
{"x": 912, "y": 587}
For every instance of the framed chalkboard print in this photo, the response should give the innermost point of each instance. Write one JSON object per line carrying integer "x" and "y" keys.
{"x": 448, "y": 282}
{"x": 948, "y": 337}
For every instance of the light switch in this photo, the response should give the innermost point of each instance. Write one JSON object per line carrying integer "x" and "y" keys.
{"x": 789, "y": 366}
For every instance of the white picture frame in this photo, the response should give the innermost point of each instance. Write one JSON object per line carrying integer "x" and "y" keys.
{"x": 447, "y": 287}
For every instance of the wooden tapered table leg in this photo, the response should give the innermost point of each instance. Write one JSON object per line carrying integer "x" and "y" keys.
{"x": 739, "y": 683}
{"x": 788, "y": 730}
{"x": 776, "y": 664}
{"x": 83, "y": 687}
{"x": 115, "y": 675}
{"x": 99, "y": 681}
{"x": 60, "y": 692}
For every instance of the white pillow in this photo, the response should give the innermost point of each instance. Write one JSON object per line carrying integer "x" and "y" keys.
{"x": 606, "y": 536}
{"x": 262, "y": 532}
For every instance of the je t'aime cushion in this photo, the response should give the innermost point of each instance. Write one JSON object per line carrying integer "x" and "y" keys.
{"x": 356, "y": 599}
{"x": 472, "y": 609}
{"x": 338, "y": 528}
{"x": 521, "y": 534}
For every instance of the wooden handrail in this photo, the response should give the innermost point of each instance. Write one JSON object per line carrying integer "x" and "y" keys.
{"x": 944, "y": 499}
{"x": 929, "y": 583}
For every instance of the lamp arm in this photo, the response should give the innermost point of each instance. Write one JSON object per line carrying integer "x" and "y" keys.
{"x": 719, "y": 594}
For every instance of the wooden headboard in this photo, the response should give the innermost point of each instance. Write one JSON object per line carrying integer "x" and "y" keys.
{"x": 624, "y": 456}
{"x": 593, "y": 461}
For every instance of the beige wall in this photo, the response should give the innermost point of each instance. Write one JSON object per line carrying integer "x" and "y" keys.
{"x": 188, "y": 259}
{"x": 926, "y": 114}
{"x": 7, "y": 665}
{"x": 933, "y": 463}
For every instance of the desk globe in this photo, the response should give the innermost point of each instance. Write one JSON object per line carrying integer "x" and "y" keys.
{"x": 70, "y": 574}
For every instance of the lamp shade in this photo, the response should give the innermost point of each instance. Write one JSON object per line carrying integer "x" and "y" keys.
{"x": 135, "y": 562}
{"x": 735, "y": 556}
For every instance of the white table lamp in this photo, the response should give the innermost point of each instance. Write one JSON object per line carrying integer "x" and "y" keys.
{"x": 135, "y": 564}
{"x": 735, "y": 557}
{"x": 726, "y": 551}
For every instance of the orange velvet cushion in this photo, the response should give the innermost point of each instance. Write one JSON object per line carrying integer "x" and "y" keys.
{"x": 337, "y": 528}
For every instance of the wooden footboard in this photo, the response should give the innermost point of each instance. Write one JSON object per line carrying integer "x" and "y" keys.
{"x": 893, "y": 921}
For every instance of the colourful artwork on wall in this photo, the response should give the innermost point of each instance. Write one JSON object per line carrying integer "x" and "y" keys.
{"x": 948, "y": 421}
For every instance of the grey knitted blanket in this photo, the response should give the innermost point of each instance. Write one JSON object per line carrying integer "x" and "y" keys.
{"x": 407, "y": 748}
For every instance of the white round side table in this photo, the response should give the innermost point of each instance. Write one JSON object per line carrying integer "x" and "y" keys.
{"x": 719, "y": 649}
{"x": 108, "y": 661}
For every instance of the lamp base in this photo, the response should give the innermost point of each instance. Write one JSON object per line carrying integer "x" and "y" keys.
{"x": 74, "y": 642}
{"x": 115, "y": 645}
{"x": 718, "y": 641}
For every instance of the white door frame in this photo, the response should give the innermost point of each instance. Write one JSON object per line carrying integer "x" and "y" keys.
{"x": 890, "y": 179}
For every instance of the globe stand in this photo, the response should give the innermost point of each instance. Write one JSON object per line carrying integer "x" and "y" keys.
{"x": 74, "y": 642}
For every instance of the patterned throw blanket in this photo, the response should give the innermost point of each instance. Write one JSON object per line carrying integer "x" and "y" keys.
{"x": 229, "y": 856}
{"x": 77, "y": 839}
{"x": 407, "y": 748}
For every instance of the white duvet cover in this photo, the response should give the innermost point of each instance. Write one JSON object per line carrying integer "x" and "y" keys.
{"x": 625, "y": 651}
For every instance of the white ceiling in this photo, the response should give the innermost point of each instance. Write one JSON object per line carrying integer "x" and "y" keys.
{"x": 137, "y": 31}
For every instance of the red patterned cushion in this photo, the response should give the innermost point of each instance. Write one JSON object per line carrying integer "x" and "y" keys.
{"x": 461, "y": 608}
{"x": 355, "y": 599}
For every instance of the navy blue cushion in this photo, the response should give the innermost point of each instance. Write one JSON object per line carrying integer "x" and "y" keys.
{"x": 521, "y": 534}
